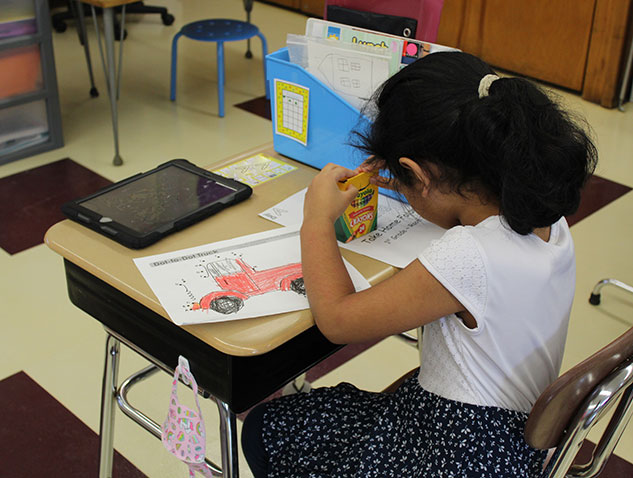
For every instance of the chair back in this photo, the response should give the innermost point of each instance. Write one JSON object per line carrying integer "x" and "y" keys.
{"x": 426, "y": 12}
{"x": 567, "y": 409}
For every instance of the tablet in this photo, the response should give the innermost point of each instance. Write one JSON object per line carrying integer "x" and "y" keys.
{"x": 140, "y": 210}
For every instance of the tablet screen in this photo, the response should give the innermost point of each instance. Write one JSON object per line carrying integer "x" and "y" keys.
{"x": 156, "y": 199}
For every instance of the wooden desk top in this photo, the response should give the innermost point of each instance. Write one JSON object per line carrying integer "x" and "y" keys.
{"x": 113, "y": 263}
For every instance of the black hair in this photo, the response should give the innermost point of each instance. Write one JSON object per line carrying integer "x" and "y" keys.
{"x": 516, "y": 146}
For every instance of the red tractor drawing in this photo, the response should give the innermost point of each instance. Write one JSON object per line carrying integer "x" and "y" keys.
{"x": 239, "y": 281}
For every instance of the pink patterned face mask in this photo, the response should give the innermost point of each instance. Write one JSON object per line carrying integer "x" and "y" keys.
{"x": 183, "y": 431}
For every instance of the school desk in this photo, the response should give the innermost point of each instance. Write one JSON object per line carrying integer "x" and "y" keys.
{"x": 237, "y": 363}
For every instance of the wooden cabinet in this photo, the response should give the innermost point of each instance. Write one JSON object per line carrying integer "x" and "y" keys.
{"x": 312, "y": 7}
{"x": 309, "y": 7}
{"x": 30, "y": 120}
{"x": 579, "y": 45}
{"x": 575, "y": 44}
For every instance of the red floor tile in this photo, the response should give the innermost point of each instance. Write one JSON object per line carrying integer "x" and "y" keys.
{"x": 30, "y": 201}
{"x": 40, "y": 437}
{"x": 259, "y": 106}
{"x": 597, "y": 193}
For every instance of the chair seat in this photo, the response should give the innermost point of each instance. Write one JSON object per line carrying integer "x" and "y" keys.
{"x": 219, "y": 29}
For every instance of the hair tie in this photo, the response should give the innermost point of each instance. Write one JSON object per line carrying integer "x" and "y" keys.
{"x": 484, "y": 85}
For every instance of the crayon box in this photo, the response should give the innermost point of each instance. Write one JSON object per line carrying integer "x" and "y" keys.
{"x": 360, "y": 217}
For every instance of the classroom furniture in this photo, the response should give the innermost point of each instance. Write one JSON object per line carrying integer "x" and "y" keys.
{"x": 575, "y": 45}
{"x": 595, "y": 296}
{"x": 218, "y": 30}
{"x": 310, "y": 7}
{"x": 77, "y": 9}
{"x": 427, "y": 13}
{"x": 111, "y": 70}
{"x": 238, "y": 363}
{"x": 579, "y": 46}
{"x": 59, "y": 19}
{"x": 574, "y": 404}
{"x": 30, "y": 119}
{"x": 577, "y": 401}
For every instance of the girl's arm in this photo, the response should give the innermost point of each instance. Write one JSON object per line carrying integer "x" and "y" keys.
{"x": 409, "y": 299}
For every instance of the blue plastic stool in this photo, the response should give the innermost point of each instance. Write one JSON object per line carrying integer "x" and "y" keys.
{"x": 217, "y": 30}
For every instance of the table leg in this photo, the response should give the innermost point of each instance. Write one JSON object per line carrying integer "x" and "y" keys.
{"x": 109, "y": 70}
{"x": 108, "y": 31}
{"x": 78, "y": 12}
{"x": 108, "y": 403}
{"x": 228, "y": 440}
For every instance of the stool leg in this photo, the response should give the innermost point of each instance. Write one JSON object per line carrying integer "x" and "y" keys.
{"x": 221, "y": 79}
{"x": 264, "y": 53}
{"x": 174, "y": 66}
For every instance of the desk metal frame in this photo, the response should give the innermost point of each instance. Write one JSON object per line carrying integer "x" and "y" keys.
{"x": 235, "y": 382}
{"x": 113, "y": 72}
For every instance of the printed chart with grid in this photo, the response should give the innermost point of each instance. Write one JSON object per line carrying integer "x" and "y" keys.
{"x": 292, "y": 105}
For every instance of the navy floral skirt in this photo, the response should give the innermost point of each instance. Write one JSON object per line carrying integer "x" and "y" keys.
{"x": 344, "y": 432}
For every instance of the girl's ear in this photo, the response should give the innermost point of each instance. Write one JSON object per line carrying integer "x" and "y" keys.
{"x": 419, "y": 173}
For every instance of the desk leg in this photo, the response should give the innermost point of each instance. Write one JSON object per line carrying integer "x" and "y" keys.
{"x": 109, "y": 70}
{"x": 78, "y": 13}
{"x": 108, "y": 32}
{"x": 228, "y": 440}
{"x": 108, "y": 403}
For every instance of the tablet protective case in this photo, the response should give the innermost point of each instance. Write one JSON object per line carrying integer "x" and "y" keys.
{"x": 142, "y": 209}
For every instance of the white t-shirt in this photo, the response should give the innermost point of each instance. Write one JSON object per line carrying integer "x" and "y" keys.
{"x": 520, "y": 290}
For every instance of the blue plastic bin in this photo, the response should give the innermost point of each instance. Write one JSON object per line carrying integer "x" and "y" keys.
{"x": 330, "y": 119}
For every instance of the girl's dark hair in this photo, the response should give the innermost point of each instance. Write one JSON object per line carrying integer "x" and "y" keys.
{"x": 515, "y": 146}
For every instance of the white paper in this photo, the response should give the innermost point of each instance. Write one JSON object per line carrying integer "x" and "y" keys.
{"x": 249, "y": 276}
{"x": 353, "y": 73}
{"x": 400, "y": 235}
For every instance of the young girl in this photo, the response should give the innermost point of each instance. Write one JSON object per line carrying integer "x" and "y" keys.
{"x": 498, "y": 164}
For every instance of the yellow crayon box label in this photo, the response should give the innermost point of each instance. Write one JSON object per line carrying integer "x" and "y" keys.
{"x": 361, "y": 215}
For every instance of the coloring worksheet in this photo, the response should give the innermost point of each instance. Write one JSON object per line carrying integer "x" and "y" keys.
{"x": 256, "y": 170}
{"x": 401, "y": 234}
{"x": 249, "y": 276}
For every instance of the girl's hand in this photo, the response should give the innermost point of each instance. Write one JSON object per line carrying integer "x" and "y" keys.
{"x": 370, "y": 165}
{"x": 324, "y": 200}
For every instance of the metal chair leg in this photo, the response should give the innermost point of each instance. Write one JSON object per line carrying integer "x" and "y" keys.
{"x": 594, "y": 298}
{"x": 220, "y": 50}
{"x": 248, "y": 7}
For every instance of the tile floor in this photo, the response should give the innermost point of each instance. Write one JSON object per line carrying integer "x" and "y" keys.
{"x": 61, "y": 348}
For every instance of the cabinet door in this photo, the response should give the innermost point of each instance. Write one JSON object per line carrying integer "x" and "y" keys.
{"x": 294, "y": 4}
{"x": 313, "y": 7}
{"x": 544, "y": 39}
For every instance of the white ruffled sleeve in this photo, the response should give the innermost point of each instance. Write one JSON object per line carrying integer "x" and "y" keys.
{"x": 456, "y": 261}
